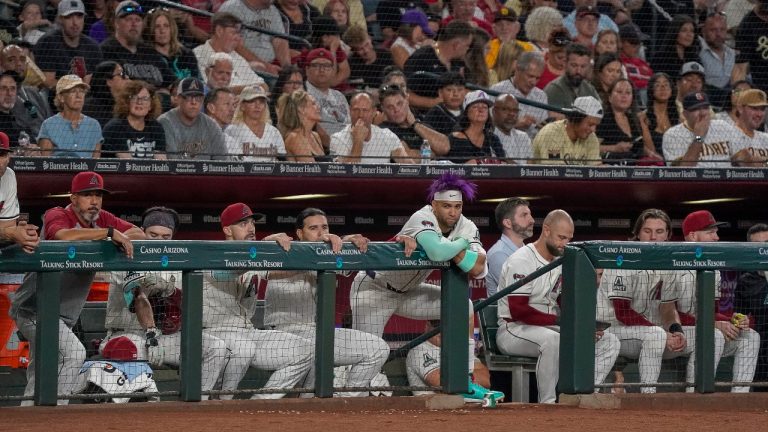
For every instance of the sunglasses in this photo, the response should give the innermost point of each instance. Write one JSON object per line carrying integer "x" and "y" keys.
{"x": 130, "y": 9}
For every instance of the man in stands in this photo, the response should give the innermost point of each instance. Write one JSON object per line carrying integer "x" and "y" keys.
{"x": 563, "y": 91}
{"x": 528, "y": 71}
{"x": 30, "y": 108}
{"x": 320, "y": 72}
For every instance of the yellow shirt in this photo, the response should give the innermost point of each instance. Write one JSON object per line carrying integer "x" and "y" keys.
{"x": 356, "y": 15}
{"x": 552, "y": 146}
{"x": 494, "y": 46}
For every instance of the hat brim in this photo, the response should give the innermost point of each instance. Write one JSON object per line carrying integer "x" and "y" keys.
{"x": 68, "y": 88}
{"x": 68, "y": 13}
{"x": 265, "y": 97}
{"x": 485, "y": 101}
{"x": 192, "y": 93}
{"x": 583, "y": 14}
{"x": 102, "y": 190}
{"x": 698, "y": 106}
{"x": 758, "y": 105}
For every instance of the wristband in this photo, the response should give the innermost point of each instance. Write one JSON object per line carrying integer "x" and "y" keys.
{"x": 676, "y": 328}
{"x": 110, "y": 233}
{"x": 469, "y": 260}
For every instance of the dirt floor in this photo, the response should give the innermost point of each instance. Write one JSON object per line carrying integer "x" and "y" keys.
{"x": 247, "y": 415}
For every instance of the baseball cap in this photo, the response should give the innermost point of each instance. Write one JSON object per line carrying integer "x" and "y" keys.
{"x": 68, "y": 82}
{"x": 87, "y": 181}
{"x": 417, "y": 17}
{"x": 695, "y": 100}
{"x": 505, "y": 14}
{"x": 699, "y": 221}
{"x": 630, "y": 33}
{"x": 120, "y": 349}
{"x": 234, "y": 213}
{"x": 692, "y": 67}
{"x": 587, "y": 10}
{"x": 190, "y": 86}
{"x": 5, "y": 142}
{"x": 588, "y": 106}
{"x": 69, "y": 7}
{"x": 753, "y": 98}
{"x": 253, "y": 92}
{"x": 128, "y": 7}
{"x": 318, "y": 53}
{"x": 474, "y": 97}
{"x": 13, "y": 74}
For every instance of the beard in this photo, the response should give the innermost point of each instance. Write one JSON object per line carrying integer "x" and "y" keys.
{"x": 552, "y": 249}
{"x": 523, "y": 231}
{"x": 574, "y": 80}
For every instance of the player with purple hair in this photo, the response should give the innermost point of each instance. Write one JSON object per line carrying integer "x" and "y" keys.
{"x": 445, "y": 235}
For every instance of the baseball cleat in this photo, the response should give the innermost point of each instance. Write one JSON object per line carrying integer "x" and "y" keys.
{"x": 477, "y": 392}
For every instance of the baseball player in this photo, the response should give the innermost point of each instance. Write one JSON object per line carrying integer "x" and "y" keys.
{"x": 528, "y": 318}
{"x": 82, "y": 219}
{"x": 229, "y": 301}
{"x": 444, "y": 234}
{"x": 733, "y": 337}
{"x": 630, "y": 301}
{"x": 12, "y": 229}
{"x": 130, "y": 313}
{"x": 291, "y": 306}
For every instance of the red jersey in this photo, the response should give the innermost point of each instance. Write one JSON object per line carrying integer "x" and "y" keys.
{"x": 638, "y": 71}
{"x": 57, "y": 219}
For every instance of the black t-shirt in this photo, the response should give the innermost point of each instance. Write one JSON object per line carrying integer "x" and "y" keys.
{"x": 53, "y": 55}
{"x": 440, "y": 119}
{"x": 752, "y": 43}
{"x": 389, "y": 12}
{"x": 462, "y": 149}
{"x": 121, "y": 137}
{"x": 183, "y": 65}
{"x": 610, "y": 133}
{"x": 425, "y": 59}
{"x": 9, "y": 125}
{"x": 407, "y": 135}
{"x": 302, "y": 29}
{"x": 145, "y": 64}
{"x": 369, "y": 74}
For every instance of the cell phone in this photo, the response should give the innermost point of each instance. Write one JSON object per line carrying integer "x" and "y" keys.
{"x": 601, "y": 325}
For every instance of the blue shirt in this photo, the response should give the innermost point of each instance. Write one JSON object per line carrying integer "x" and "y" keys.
{"x": 495, "y": 258}
{"x": 70, "y": 142}
{"x": 604, "y": 23}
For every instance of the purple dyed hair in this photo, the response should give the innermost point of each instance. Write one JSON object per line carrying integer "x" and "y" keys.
{"x": 450, "y": 181}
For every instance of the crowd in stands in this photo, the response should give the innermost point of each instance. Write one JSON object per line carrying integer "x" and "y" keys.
{"x": 528, "y": 81}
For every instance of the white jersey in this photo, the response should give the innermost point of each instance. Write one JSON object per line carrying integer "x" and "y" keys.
{"x": 757, "y": 144}
{"x": 425, "y": 220}
{"x": 245, "y": 145}
{"x": 421, "y": 361}
{"x": 119, "y": 317}
{"x": 542, "y": 292}
{"x": 643, "y": 288}
{"x": 721, "y": 142}
{"x": 291, "y": 300}
{"x": 229, "y": 298}
{"x": 377, "y": 150}
{"x": 9, "y": 201}
{"x": 685, "y": 291}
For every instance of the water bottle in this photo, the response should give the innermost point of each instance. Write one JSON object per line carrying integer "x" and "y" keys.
{"x": 425, "y": 152}
{"x": 23, "y": 139}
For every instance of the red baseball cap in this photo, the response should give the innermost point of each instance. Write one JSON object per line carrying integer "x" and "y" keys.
{"x": 318, "y": 53}
{"x": 120, "y": 349}
{"x": 5, "y": 143}
{"x": 88, "y": 181}
{"x": 699, "y": 221}
{"x": 234, "y": 213}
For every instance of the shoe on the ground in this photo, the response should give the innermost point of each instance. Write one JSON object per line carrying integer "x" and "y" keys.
{"x": 477, "y": 392}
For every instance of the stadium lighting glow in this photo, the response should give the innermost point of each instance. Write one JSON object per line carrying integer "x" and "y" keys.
{"x": 498, "y": 200}
{"x": 64, "y": 195}
{"x": 305, "y": 197}
{"x": 713, "y": 201}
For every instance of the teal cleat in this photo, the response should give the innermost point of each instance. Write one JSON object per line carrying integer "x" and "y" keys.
{"x": 477, "y": 392}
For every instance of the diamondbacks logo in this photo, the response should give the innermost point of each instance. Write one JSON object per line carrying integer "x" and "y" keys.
{"x": 94, "y": 180}
{"x": 618, "y": 284}
{"x": 428, "y": 360}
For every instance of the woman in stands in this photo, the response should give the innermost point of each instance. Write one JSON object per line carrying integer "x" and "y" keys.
{"x": 677, "y": 47}
{"x": 338, "y": 10}
{"x": 474, "y": 142}
{"x": 606, "y": 71}
{"x": 540, "y": 25}
{"x": 554, "y": 58}
{"x": 410, "y": 36}
{"x": 161, "y": 31}
{"x": 476, "y": 70}
{"x": 256, "y": 140}
{"x": 506, "y": 62}
{"x": 135, "y": 132}
{"x": 661, "y": 113}
{"x": 607, "y": 42}
{"x": 107, "y": 82}
{"x": 299, "y": 113}
{"x": 288, "y": 80}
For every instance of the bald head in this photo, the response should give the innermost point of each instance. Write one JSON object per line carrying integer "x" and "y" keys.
{"x": 556, "y": 233}
{"x": 556, "y": 216}
{"x": 505, "y": 112}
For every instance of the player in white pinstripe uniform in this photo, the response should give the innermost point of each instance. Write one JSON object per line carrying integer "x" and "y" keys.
{"x": 11, "y": 229}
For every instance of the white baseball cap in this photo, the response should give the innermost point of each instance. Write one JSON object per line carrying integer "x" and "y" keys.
{"x": 476, "y": 96}
{"x": 588, "y": 106}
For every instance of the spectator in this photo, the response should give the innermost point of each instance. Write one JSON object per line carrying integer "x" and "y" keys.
{"x": 225, "y": 38}
{"x": 604, "y": 22}
{"x": 586, "y": 21}
{"x": 563, "y": 91}
{"x": 554, "y": 57}
{"x": 690, "y": 80}
{"x": 190, "y": 134}
{"x": 288, "y": 80}
{"x": 637, "y": 70}
{"x": 523, "y": 84}
{"x": 198, "y": 27}
{"x": 606, "y": 71}
{"x": 8, "y": 123}
{"x": 506, "y": 27}
{"x": 606, "y": 41}
{"x": 506, "y": 62}
{"x": 514, "y": 219}
{"x": 338, "y": 10}
{"x": 540, "y": 25}
{"x": 299, "y": 16}
{"x": 393, "y": 75}
{"x": 299, "y": 114}
{"x": 400, "y": 119}
{"x": 751, "y": 107}
{"x": 365, "y": 143}
{"x": 261, "y": 49}
{"x": 571, "y": 141}
{"x": 717, "y": 58}
{"x": 135, "y": 132}
{"x": 464, "y": 10}
{"x": 751, "y": 47}
{"x": 220, "y": 104}
{"x": 70, "y": 133}
{"x": 447, "y": 55}
{"x": 476, "y": 71}
{"x": 327, "y": 34}
{"x": 32, "y": 24}
{"x": 750, "y": 293}
{"x": 139, "y": 60}
{"x": 414, "y": 32}
{"x": 18, "y": 56}
{"x": 729, "y": 112}
{"x": 474, "y": 142}
{"x": 389, "y": 14}
{"x": 516, "y": 144}
{"x": 701, "y": 141}
{"x": 624, "y": 136}
{"x": 21, "y": 109}
{"x": 527, "y": 7}
{"x": 161, "y": 31}
{"x": 109, "y": 80}
{"x": 12, "y": 228}
{"x": 444, "y": 116}
{"x": 219, "y": 71}
{"x": 661, "y": 113}
{"x": 679, "y": 45}
{"x": 35, "y": 105}
{"x": 354, "y": 10}
{"x": 65, "y": 50}
{"x": 254, "y": 139}
{"x": 367, "y": 62}
{"x": 104, "y": 25}
{"x": 333, "y": 105}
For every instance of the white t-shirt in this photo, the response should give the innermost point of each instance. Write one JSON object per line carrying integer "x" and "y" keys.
{"x": 517, "y": 145}
{"x": 242, "y": 74}
{"x": 643, "y": 288}
{"x": 377, "y": 150}
{"x": 721, "y": 142}
{"x": 334, "y": 109}
{"x": 757, "y": 144}
{"x": 9, "y": 202}
{"x": 247, "y": 146}
{"x": 267, "y": 18}
{"x": 542, "y": 292}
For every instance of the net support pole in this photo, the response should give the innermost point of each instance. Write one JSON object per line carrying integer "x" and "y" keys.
{"x": 577, "y": 324}
{"x": 47, "y": 338}
{"x": 454, "y": 326}
{"x": 326, "y": 318}
{"x": 705, "y": 331}
{"x": 190, "y": 369}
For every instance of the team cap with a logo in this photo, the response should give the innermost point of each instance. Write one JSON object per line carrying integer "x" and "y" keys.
{"x": 87, "y": 181}
{"x": 234, "y": 213}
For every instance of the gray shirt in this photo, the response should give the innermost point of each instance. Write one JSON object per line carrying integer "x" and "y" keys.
{"x": 267, "y": 18}
{"x": 561, "y": 94}
{"x": 334, "y": 109}
{"x": 203, "y": 139}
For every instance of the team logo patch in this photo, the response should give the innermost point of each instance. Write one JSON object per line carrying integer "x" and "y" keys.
{"x": 428, "y": 360}
{"x": 427, "y": 223}
{"x": 618, "y": 284}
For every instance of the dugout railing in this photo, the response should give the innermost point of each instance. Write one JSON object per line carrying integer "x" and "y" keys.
{"x": 191, "y": 257}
